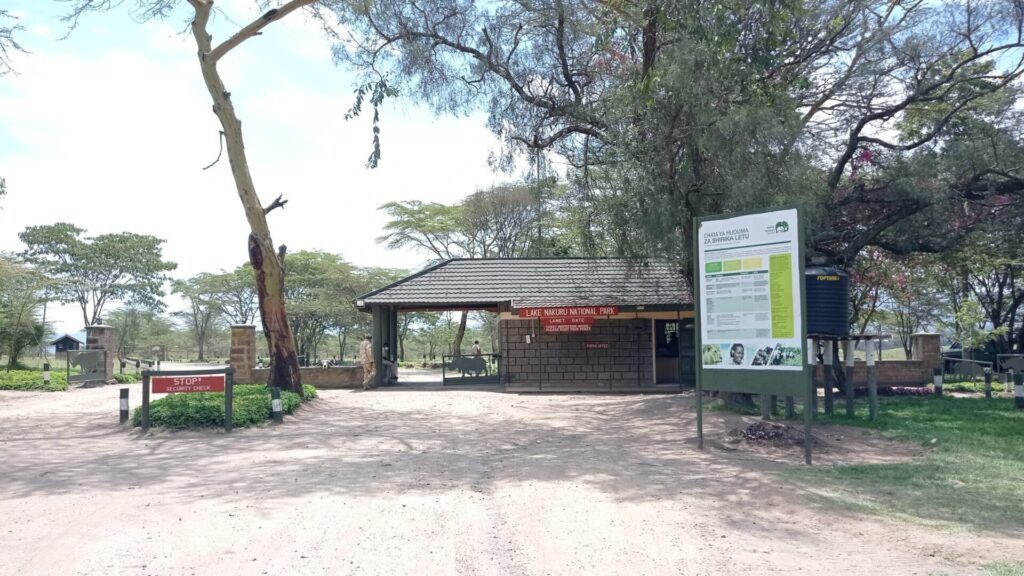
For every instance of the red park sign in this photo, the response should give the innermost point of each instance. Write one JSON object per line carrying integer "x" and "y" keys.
{"x": 185, "y": 384}
{"x": 568, "y": 311}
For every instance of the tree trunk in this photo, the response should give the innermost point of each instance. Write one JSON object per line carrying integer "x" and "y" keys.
{"x": 342, "y": 337}
{"x": 459, "y": 334}
{"x": 267, "y": 264}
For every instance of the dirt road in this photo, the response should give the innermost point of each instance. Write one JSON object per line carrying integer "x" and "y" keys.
{"x": 413, "y": 482}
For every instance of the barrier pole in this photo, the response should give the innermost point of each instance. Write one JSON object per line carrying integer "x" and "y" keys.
{"x": 276, "y": 409}
{"x": 937, "y": 382}
{"x": 124, "y": 405}
{"x": 145, "y": 400}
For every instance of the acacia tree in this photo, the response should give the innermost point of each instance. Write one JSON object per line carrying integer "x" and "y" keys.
{"x": 93, "y": 272}
{"x": 267, "y": 262}
{"x": 203, "y": 310}
{"x": 667, "y": 110}
{"x": 494, "y": 223}
{"x": 236, "y": 295}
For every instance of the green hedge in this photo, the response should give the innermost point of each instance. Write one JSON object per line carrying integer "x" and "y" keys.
{"x": 32, "y": 380}
{"x": 250, "y": 406}
{"x": 126, "y": 378}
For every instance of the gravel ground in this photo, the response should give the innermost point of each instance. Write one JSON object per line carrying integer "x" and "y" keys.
{"x": 435, "y": 482}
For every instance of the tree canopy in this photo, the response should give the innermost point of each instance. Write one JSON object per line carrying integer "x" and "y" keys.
{"x": 868, "y": 113}
{"x": 94, "y": 271}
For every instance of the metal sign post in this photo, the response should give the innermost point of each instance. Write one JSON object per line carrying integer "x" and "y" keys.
{"x": 189, "y": 381}
{"x": 751, "y": 304}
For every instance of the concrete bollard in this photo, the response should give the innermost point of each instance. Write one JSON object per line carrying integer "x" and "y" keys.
{"x": 988, "y": 382}
{"x": 124, "y": 405}
{"x": 1018, "y": 391}
{"x": 872, "y": 380}
{"x": 276, "y": 408}
{"x": 46, "y": 374}
{"x": 937, "y": 382}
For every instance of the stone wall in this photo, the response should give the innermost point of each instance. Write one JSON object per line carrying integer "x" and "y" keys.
{"x": 243, "y": 352}
{"x": 554, "y": 361}
{"x": 339, "y": 377}
{"x": 101, "y": 337}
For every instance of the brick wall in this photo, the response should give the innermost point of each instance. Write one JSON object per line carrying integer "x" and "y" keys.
{"x": 890, "y": 373}
{"x": 562, "y": 360}
{"x": 338, "y": 377}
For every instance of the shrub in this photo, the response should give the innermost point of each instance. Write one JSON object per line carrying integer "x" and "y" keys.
{"x": 126, "y": 378}
{"x": 32, "y": 380}
{"x": 250, "y": 405}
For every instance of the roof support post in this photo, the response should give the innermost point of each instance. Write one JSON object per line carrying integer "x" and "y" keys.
{"x": 378, "y": 342}
{"x": 393, "y": 333}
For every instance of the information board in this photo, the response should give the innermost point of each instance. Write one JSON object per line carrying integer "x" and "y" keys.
{"x": 750, "y": 303}
{"x": 750, "y": 292}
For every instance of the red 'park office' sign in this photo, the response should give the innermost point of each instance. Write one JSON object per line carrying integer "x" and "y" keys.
{"x": 185, "y": 384}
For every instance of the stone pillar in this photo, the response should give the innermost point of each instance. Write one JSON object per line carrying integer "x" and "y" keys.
{"x": 101, "y": 337}
{"x": 243, "y": 352}
{"x": 927, "y": 348}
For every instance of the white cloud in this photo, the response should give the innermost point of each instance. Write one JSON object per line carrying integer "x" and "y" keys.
{"x": 115, "y": 140}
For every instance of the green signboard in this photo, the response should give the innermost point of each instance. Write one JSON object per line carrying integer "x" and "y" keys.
{"x": 751, "y": 307}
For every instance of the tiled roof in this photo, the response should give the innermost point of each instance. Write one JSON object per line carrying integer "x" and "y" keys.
{"x": 529, "y": 282}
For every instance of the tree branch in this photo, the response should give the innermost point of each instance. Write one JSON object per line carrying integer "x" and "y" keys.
{"x": 254, "y": 28}
{"x": 277, "y": 203}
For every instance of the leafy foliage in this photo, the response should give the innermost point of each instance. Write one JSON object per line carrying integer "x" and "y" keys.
{"x": 251, "y": 405}
{"x": 126, "y": 378}
{"x": 32, "y": 380}
{"x": 91, "y": 272}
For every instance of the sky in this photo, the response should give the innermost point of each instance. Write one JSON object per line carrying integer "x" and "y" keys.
{"x": 109, "y": 129}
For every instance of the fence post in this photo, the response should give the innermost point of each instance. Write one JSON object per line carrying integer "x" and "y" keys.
{"x": 988, "y": 382}
{"x": 145, "y": 400}
{"x": 790, "y": 409}
{"x": 1018, "y": 391}
{"x": 850, "y": 345}
{"x": 829, "y": 403}
{"x": 229, "y": 399}
{"x": 812, "y": 360}
{"x": 1008, "y": 378}
{"x": 937, "y": 382}
{"x": 275, "y": 405}
{"x": 872, "y": 380}
{"x": 46, "y": 374}
{"x": 124, "y": 405}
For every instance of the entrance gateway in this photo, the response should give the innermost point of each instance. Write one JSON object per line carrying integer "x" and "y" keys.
{"x": 564, "y": 324}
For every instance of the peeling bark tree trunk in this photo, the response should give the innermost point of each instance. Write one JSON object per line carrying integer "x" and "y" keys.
{"x": 268, "y": 265}
{"x": 460, "y": 334}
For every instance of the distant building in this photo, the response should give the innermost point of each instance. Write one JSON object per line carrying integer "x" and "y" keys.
{"x": 66, "y": 343}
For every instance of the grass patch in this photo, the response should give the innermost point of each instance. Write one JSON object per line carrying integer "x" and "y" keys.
{"x": 250, "y": 406}
{"x": 32, "y": 380}
{"x": 973, "y": 475}
{"x": 976, "y": 386}
{"x": 1004, "y": 569}
{"x": 126, "y": 378}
